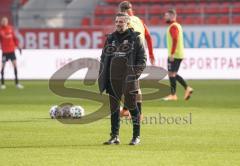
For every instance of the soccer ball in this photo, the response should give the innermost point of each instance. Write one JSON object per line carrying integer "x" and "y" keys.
{"x": 65, "y": 111}
{"x": 76, "y": 111}
{"x": 54, "y": 112}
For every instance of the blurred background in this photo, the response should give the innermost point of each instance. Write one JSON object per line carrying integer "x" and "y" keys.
{"x": 98, "y": 13}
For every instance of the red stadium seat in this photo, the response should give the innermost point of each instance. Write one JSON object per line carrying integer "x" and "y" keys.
{"x": 189, "y": 11}
{"x": 226, "y": 4}
{"x": 223, "y": 20}
{"x": 155, "y": 20}
{"x": 108, "y": 21}
{"x": 223, "y": 10}
{"x": 180, "y": 19}
{"x": 236, "y": 20}
{"x": 105, "y": 10}
{"x": 86, "y": 21}
{"x": 236, "y": 9}
{"x": 159, "y": 1}
{"x": 236, "y": 3}
{"x": 211, "y": 20}
{"x": 98, "y": 10}
{"x": 211, "y": 10}
{"x": 216, "y": 8}
{"x": 109, "y": 10}
{"x": 192, "y": 20}
{"x": 141, "y": 10}
{"x": 97, "y": 21}
{"x": 202, "y": 4}
{"x": 156, "y": 9}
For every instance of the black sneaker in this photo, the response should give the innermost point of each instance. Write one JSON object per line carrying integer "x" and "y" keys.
{"x": 113, "y": 140}
{"x": 135, "y": 141}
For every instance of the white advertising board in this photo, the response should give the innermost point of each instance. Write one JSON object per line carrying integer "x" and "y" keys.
{"x": 198, "y": 63}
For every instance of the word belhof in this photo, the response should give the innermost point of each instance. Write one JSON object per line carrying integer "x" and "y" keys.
{"x": 162, "y": 119}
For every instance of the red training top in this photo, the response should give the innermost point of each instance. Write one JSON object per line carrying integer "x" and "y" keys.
{"x": 149, "y": 42}
{"x": 8, "y": 39}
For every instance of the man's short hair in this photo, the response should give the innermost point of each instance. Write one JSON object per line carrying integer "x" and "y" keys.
{"x": 172, "y": 11}
{"x": 126, "y": 16}
{"x": 124, "y": 6}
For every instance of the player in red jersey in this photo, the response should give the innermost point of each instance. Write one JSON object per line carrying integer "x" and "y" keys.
{"x": 9, "y": 43}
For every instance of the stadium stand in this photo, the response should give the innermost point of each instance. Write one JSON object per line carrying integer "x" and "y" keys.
{"x": 85, "y": 13}
{"x": 189, "y": 12}
{"x": 54, "y": 13}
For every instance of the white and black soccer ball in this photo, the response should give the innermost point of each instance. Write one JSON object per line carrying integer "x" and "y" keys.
{"x": 65, "y": 111}
{"x": 77, "y": 112}
{"x": 54, "y": 112}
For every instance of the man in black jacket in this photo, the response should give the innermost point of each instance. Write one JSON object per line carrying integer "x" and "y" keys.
{"x": 122, "y": 61}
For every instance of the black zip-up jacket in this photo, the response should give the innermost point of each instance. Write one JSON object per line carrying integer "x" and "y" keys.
{"x": 123, "y": 48}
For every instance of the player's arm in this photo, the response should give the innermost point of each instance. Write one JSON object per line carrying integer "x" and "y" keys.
{"x": 1, "y": 41}
{"x": 100, "y": 72}
{"x": 0, "y": 38}
{"x": 102, "y": 57}
{"x": 15, "y": 39}
{"x": 174, "y": 35}
{"x": 149, "y": 44}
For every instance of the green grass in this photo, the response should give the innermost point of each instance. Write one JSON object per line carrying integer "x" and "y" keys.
{"x": 29, "y": 137}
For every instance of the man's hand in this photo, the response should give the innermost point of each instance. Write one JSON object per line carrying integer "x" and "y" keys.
{"x": 152, "y": 60}
{"x": 171, "y": 58}
{"x": 20, "y": 50}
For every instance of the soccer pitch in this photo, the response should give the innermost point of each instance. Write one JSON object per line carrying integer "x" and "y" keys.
{"x": 211, "y": 136}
